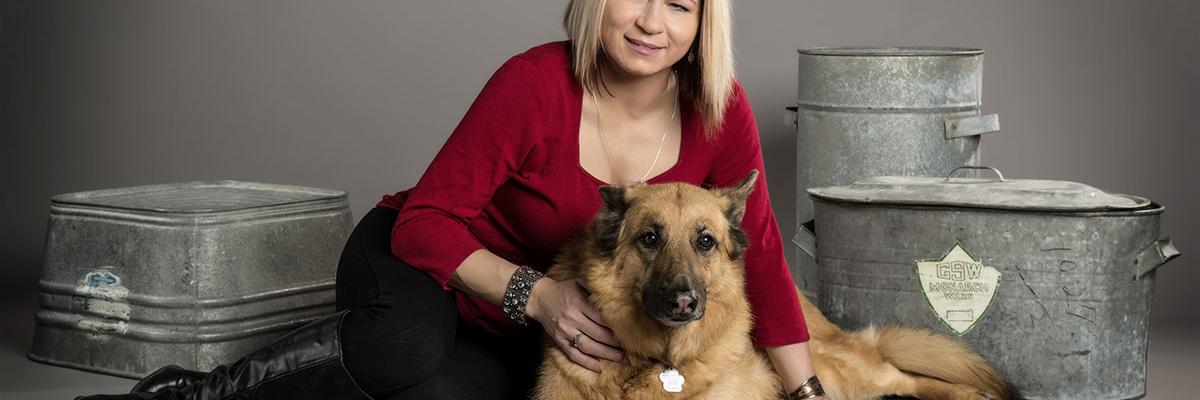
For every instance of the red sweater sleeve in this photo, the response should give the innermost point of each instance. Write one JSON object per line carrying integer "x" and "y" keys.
{"x": 778, "y": 319}
{"x": 484, "y": 151}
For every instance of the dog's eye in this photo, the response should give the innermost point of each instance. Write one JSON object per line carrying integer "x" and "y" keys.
{"x": 706, "y": 242}
{"x": 649, "y": 239}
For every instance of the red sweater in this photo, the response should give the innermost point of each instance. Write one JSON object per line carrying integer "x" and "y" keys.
{"x": 508, "y": 180}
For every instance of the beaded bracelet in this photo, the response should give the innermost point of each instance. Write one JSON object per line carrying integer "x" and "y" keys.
{"x": 517, "y": 294}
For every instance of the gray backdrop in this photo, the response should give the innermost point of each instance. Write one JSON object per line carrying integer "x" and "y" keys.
{"x": 359, "y": 95}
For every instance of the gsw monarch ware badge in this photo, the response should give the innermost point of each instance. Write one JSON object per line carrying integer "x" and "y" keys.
{"x": 958, "y": 287}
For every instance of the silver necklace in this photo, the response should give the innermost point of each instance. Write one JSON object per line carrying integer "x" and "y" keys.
{"x": 604, "y": 142}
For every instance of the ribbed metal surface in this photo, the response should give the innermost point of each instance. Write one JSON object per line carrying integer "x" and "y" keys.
{"x": 194, "y": 274}
{"x": 1069, "y": 319}
{"x": 881, "y": 111}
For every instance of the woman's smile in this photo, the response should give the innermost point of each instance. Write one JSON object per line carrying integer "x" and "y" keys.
{"x": 641, "y": 47}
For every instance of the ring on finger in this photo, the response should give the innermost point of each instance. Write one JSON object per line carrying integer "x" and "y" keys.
{"x": 575, "y": 340}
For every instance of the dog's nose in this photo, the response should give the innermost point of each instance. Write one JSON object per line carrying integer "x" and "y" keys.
{"x": 685, "y": 303}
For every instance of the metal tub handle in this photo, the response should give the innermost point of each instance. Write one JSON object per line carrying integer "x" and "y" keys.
{"x": 806, "y": 240}
{"x": 1154, "y": 256}
{"x": 972, "y": 126}
{"x": 998, "y": 174}
{"x": 791, "y": 115}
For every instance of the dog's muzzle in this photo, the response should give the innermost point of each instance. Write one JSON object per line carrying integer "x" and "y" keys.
{"x": 674, "y": 305}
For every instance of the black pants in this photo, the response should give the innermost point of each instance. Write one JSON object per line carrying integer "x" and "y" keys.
{"x": 402, "y": 338}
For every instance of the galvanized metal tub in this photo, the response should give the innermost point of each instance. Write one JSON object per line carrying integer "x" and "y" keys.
{"x": 1050, "y": 281}
{"x": 194, "y": 274}
{"x": 864, "y": 112}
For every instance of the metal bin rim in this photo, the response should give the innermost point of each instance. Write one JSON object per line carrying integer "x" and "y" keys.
{"x": 891, "y": 51}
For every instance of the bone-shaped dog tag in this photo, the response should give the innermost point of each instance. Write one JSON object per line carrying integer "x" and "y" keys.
{"x": 672, "y": 381}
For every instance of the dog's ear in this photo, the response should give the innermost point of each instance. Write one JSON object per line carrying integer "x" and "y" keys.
{"x": 737, "y": 196}
{"x": 613, "y": 204}
{"x": 735, "y": 210}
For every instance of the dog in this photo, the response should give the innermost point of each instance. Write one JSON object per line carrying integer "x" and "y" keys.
{"x": 663, "y": 265}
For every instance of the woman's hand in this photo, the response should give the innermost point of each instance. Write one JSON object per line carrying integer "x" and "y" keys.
{"x": 564, "y": 311}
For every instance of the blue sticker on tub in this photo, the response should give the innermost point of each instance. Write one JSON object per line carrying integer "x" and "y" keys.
{"x": 97, "y": 279}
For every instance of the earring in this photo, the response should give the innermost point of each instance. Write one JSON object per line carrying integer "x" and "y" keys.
{"x": 691, "y": 57}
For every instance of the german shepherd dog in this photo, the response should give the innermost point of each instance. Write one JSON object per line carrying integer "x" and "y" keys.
{"x": 663, "y": 264}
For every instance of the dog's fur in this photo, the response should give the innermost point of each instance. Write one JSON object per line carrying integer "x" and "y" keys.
{"x": 643, "y": 292}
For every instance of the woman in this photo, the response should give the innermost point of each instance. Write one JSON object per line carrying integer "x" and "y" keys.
{"x": 642, "y": 92}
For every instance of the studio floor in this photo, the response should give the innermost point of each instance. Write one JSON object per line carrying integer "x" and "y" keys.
{"x": 1174, "y": 364}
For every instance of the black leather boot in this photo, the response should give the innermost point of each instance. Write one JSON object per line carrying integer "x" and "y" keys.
{"x": 304, "y": 364}
{"x": 168, "y": 377}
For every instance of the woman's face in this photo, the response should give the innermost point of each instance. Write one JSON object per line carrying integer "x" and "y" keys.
{"x": 645, "y": 37}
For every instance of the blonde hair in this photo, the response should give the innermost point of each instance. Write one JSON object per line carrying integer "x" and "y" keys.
{"x": 707, "y": 82}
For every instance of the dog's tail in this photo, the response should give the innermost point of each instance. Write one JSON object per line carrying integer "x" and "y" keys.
{"x": 935, "y": 355}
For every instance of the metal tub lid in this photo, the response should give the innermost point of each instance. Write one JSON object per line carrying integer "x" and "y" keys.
{"x": 892, "y": 51}
{"x": 1005, "y": 194}
{"x": 199, "y": 197}
{"x": 200, "y": 203}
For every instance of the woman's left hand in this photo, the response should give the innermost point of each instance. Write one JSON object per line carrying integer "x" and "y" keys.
{"x": 564, "y": 311}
